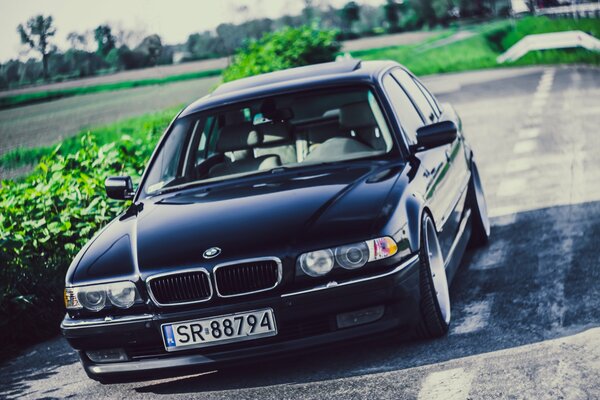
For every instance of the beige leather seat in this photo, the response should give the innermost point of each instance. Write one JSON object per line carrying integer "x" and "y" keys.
{"x": 359, "y": 120}
{"x": 238, "y": 142}
{"x": 277, "y": 140}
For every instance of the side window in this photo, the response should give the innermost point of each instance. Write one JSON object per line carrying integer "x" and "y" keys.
{"x": 404, "y": 109}
{"x": 429, "y": 96}
{"x": 416, "y": 94}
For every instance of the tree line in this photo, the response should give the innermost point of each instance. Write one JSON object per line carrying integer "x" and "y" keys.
{"x": 106, "y": 49}
{"x": 109, "y": 52}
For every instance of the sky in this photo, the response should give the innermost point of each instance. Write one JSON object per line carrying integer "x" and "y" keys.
{"x": 173, "y": 20}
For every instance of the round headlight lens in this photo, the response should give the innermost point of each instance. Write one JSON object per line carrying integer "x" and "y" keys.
{"x": 317, "y": 263}
{"x": 93, "y": 300}
{"x": 122, "y": 294}
{"x": 352, "y": 256}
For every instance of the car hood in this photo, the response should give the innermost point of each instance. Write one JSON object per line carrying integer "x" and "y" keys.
{"x": 279, "y": 215}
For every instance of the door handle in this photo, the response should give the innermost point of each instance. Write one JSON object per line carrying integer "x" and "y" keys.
{"x": 447, "y": 152}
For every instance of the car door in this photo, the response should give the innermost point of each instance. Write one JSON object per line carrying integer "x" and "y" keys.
{"x": 441, "y": 177}
{"x": 460, "y": 170}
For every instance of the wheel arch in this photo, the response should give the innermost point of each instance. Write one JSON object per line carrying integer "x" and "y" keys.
{"x": 415, "y": 209}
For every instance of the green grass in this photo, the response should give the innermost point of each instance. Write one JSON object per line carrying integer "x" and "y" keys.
{"x": 37, "y": 97}
{"x": 133, "y": 127}
{"x": 490, "y": 40}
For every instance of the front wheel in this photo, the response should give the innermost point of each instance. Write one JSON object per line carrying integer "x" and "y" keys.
{"x": 435, "y": 294}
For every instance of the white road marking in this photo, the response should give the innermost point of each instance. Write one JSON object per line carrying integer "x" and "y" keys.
{"x": 504, "y": 219}
{"x": 529, "y": 133}
{"x": 534, "y": 120}
{"x": 503, "y": 211}
{"x": 519, "y": 165}
{"x": 587, "y": 111}
{"x": 526, "y": 146}
{"x": 538, "y": 103}
{"x": 545, "y": 85}
{"x": 477, "y": 317}
{"x": 452, "y": 384}
{"x": 535, "y": 112}
{"x": 511, "y": 187}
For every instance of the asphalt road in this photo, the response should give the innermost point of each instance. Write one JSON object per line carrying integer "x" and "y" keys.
{"x": 48, "y": 123}
{"x": 526, "y": 308}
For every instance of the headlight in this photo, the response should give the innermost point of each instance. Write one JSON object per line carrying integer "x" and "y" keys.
{"x": 93, "y": 300}
{"x": 381, "y": 248}
{"x": 316, "y": 263}
{"x": 96, "y": 297}
{"x": 122, "y": 294}
{"x": 352, "y": 256}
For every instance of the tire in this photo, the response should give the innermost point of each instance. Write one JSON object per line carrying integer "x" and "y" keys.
{"x": 434, "y": 305}
{"x": 480, "y": 222}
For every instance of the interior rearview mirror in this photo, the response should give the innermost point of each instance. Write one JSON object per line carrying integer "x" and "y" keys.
{"x": 119, "y": 187}
{"x": 436, "y": 134}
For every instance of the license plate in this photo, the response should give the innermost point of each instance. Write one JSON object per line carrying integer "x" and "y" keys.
{"x": 218, "y": 330}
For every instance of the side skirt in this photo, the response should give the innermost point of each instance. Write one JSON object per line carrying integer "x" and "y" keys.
{"x": 458, "y": 246}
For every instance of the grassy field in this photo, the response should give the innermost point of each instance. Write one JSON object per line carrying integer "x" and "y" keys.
{"x": 489, "y": 41}
{"x": 37, "y": 97}
{"x": 132, "y": 127}
{"x": 49, "y": 123}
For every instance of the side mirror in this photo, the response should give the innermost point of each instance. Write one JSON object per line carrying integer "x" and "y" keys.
{"x": 119, "y": 187}
{"x": 437, "y": 134}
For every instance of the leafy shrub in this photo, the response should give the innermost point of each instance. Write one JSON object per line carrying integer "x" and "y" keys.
{"x": 46, "y": 219}
{"x": 287, "y": 48}
{"x": 495, "y": 38}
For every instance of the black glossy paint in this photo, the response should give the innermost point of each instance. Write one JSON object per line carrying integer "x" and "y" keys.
{"x": 284, "y": 214}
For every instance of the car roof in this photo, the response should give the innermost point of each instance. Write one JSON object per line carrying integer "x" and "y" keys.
{"x": 311, "y": 76}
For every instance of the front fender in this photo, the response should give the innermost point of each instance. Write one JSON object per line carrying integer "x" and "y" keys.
{"x": 415, "y": 205}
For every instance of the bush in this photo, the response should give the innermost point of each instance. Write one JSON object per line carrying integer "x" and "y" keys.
{"x": 46, "y": 219}
{"x": 290, "y": 47}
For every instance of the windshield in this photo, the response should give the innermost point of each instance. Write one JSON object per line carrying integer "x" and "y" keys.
{"x": 289, "y": 130}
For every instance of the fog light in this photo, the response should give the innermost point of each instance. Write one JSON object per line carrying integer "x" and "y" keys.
{"x": 106, "y": 355}
{"x": 359, "y": 317}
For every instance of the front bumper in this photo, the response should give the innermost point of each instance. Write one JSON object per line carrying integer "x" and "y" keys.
{"x": 305, "y": 319}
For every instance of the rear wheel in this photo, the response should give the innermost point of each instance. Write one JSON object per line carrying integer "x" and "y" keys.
{"x": 435, "y": 294}
{"x": 480, "y": 222}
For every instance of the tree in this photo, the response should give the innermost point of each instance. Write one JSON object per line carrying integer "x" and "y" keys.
{"x": 442, "y": 9}
{"x": 78, "y": 41}
{"x": 424, "y": 11}
{"x": 230, "y": 36}
{"x": 11, "y": 71}
{"x": 105, "y": 39}
{"x": 151, "y": 48}
{"x": 472, "y": 8}
{"x": 36, "y": 34}
{"x": 202, "y": 45}
{"x": 349, "y": 13}
{"x": 391, "y": 10}
{"x": 308, "y": 12}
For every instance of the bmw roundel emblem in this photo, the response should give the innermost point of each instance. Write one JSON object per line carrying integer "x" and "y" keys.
{"x": 211, "y": 253}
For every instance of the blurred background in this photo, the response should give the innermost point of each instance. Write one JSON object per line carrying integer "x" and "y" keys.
{"x": 87, "y": 89}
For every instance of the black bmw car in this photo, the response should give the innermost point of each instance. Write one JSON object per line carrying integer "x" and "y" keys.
{"x": 282, "y": 212}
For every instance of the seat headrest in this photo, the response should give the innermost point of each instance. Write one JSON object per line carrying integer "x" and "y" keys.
{"x": 239, "y": 137}
{"x": 275, "y": 132}
{"x": 357, "y": 115}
